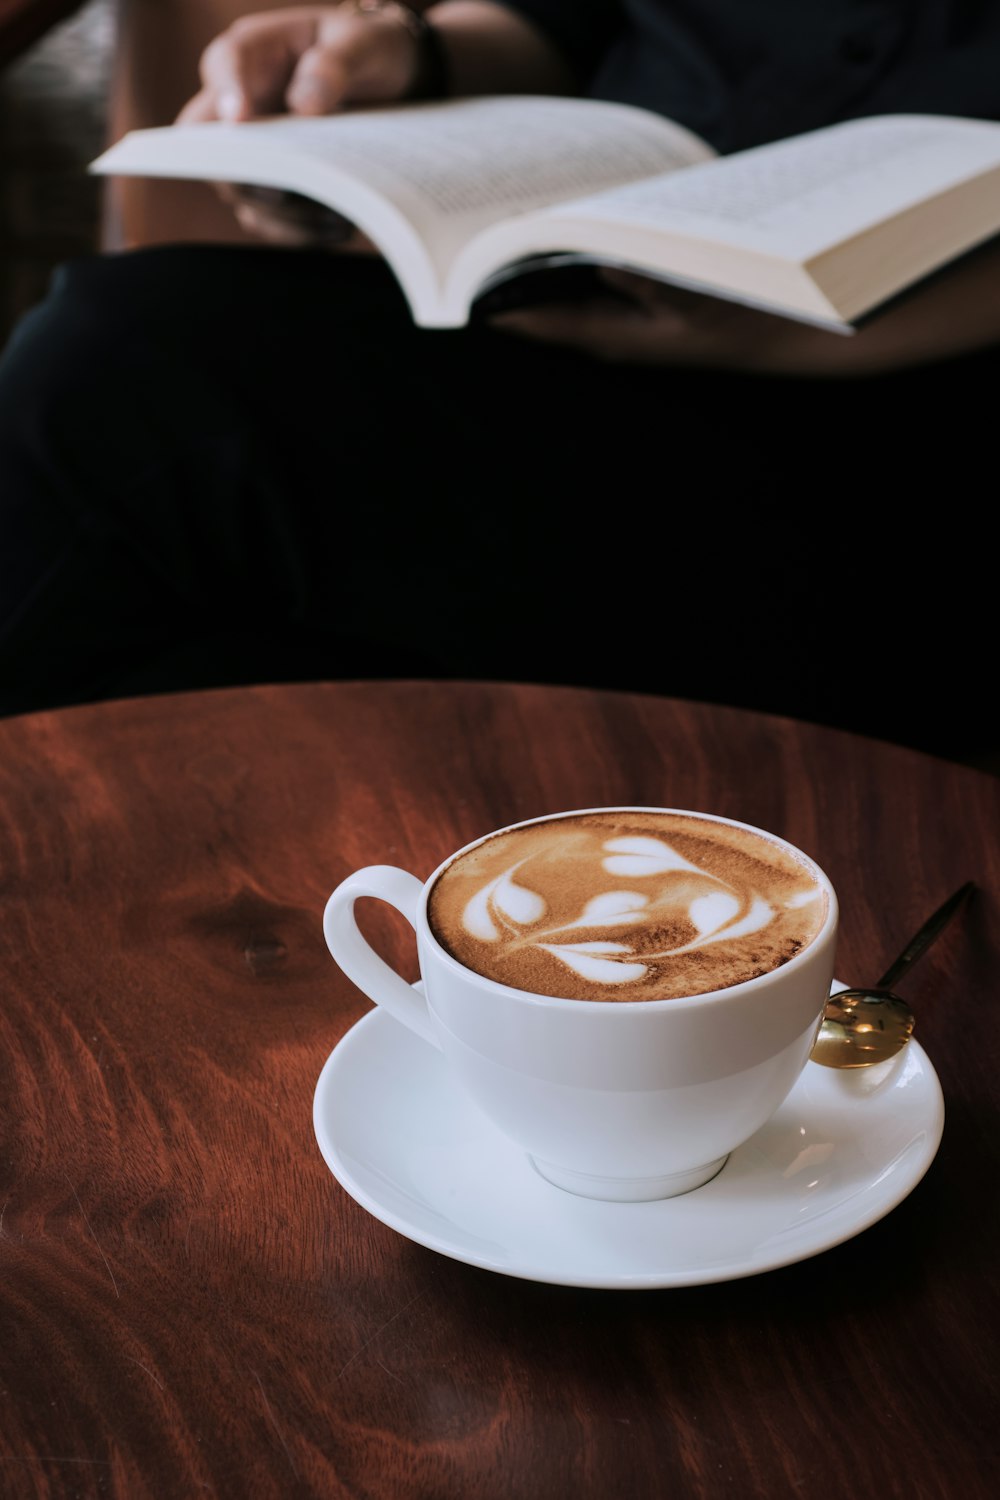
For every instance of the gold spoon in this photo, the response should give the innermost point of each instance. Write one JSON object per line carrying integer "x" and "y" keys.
{"x": 865, "y": 1026}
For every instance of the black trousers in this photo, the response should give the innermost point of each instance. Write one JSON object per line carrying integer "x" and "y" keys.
{"x": 222, "y": 465}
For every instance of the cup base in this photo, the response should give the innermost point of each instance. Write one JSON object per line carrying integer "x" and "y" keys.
{"x": 628, "y": 1189}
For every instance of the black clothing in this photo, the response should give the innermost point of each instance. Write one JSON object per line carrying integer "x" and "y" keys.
{"x": 740, "y": 73}
{"x": 344, "y": 494}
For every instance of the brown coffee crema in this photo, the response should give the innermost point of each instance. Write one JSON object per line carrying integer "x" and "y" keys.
{"x": 625, "y": 906}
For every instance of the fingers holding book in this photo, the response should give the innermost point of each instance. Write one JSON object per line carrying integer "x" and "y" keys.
{"x": 285, "y": 218}
{"x": 640, "y": 320}
{"x": 308, "y": 60}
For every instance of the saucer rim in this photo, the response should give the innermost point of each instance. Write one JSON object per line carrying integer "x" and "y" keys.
{"x": 907, "y": 1176}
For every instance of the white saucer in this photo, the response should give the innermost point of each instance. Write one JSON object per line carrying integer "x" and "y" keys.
{"x": 845, "y": 1148}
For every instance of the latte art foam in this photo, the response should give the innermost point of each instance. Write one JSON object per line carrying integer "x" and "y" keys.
{"x": 625, "y": 906}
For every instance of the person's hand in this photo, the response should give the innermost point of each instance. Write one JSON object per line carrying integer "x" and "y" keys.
{"x": 284, "y": 218}
{"x": 310, "y": 60}
{"x": 317, "y": 59}
{"x": 643, "y": 321}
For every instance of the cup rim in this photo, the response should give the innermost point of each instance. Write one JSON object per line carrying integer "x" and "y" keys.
{"x": 678, "y": 1002}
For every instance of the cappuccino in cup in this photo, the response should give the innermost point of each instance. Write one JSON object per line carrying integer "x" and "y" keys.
{"x": 628, "y": 993}
{"x": 625, "y": 906}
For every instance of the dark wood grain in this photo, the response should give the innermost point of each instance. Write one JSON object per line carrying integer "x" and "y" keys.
{"x": 189, "y": 1303}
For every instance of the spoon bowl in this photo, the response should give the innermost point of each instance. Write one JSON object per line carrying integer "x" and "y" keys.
{"x": 861, "y": 1027}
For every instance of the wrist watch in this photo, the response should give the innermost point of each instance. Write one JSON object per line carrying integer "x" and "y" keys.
{"x": 430, "y": 80}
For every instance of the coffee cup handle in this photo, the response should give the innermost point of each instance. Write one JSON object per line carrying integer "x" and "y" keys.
{"x": 357, "y": 957}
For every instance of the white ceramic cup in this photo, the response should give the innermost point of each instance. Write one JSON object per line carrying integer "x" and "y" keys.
{"x": 622, "y": 1100}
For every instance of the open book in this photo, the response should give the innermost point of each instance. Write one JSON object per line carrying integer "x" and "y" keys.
{"x": 459, "y": 195}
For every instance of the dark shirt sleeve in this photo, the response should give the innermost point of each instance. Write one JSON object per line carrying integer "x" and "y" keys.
{"x": 965, "y": 80}
{"x": 741, "y": 74}
{"x": 582, "y": 30}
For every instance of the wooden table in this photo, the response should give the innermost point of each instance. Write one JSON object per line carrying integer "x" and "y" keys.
{"x": 189, "y": 1302}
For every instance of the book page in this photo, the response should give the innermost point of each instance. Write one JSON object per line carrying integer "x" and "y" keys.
{"x": 447, "y": 169}
{"x": 802, "y": 196}
{"x": 473, "y": 161}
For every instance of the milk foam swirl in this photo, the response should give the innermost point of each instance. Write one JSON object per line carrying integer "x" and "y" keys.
{"x": 591, "y": 909}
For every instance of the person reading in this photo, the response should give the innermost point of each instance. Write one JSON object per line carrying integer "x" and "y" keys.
{"x": 218, "y": 460}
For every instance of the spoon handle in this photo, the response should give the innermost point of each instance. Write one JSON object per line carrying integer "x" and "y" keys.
{"x": 922, "y": 940}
